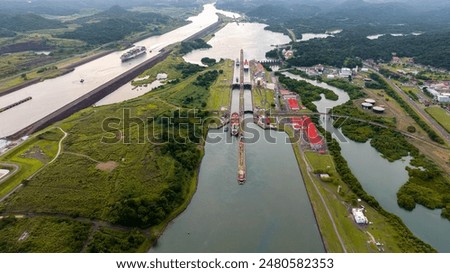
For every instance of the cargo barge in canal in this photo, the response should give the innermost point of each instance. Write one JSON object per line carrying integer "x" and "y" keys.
{"x": 241, "y": 176}
{"x": 234, "y": 124}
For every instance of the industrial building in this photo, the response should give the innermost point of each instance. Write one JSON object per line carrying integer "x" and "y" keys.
{"x": 345, "y": 72}
{"x": 293, "y": 104}
{"x": 443, "y": 98}
{"x": 358, "y": 215}
{"x": 310, "y": 133}
{"x": 378, "y": 109}
{"x": 366, "y": 105}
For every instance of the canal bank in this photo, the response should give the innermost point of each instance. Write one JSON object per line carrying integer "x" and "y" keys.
{"x": 382, "y": 179}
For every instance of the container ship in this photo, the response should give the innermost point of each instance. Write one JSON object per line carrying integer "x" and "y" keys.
{"x": 234, "y": 124}
{"x": 133, "y": 53}
{"x": 241, "y": 175}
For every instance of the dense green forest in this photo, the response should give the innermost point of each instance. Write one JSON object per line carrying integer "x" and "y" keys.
{"x": 27, "y": 22}
{"x": 104, "y": 32}
{"x": 275, "y": 12}
{"x": 188, "y": 46}
{"x": 114, "y": 24}
{"x": 6, "y": 33}
{"x": 357, "y": 20}
{"x": 110, "y": 25}
{"x": 208, "y": 61}
{"x": 431, "y": 48}
{"x": 112, "y": 241}
{"x": 119, "y": 12}
{"x": 307, "y": 91}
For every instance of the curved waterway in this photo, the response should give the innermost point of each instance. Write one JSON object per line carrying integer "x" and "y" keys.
{"x": 50, "y": 95}
{"x": 383, "y": 179}
{"x": 271, "y": 212}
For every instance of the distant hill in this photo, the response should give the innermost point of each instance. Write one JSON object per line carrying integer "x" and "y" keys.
{"x": 38, "y": 7}
{"x": 27, "y": 22}
{"x": 114, "y": 24}
{"x": 375, "y": 13}
{"x": 102, "y": 32}
{"x": 6, "y": 33}
{"x": 117, "y": 12}
{"x": 68, "y": 7}
{"x": 271, "y": 11}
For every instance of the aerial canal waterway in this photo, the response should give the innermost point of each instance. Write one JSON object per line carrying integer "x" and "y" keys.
{"x": 50, "y": 95}
{"x": 271, "y": 212}
{"x": 382, "y": 179}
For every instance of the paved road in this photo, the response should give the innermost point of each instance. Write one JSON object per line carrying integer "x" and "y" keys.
{"x": 59, "y": 145}
{"x": 424, "y": 115}
{"x": 15, "y": 168}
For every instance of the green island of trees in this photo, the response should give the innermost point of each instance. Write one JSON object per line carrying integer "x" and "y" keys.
{"x": 188, "y": 46}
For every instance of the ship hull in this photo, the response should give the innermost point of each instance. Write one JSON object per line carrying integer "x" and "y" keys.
{"x": 234, "y": 124}
{"x": 133, "y": 54}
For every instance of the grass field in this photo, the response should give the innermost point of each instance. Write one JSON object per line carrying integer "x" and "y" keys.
{"x": 393, "y": 111}
{"x": 355, "y": 238}
{"x": 220, "y": 90}
{"x": 263, "y": 98}
{"x": 42, "y": 234}
{"x": 441, "y": 116}
{"x": 30, "y": 157}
